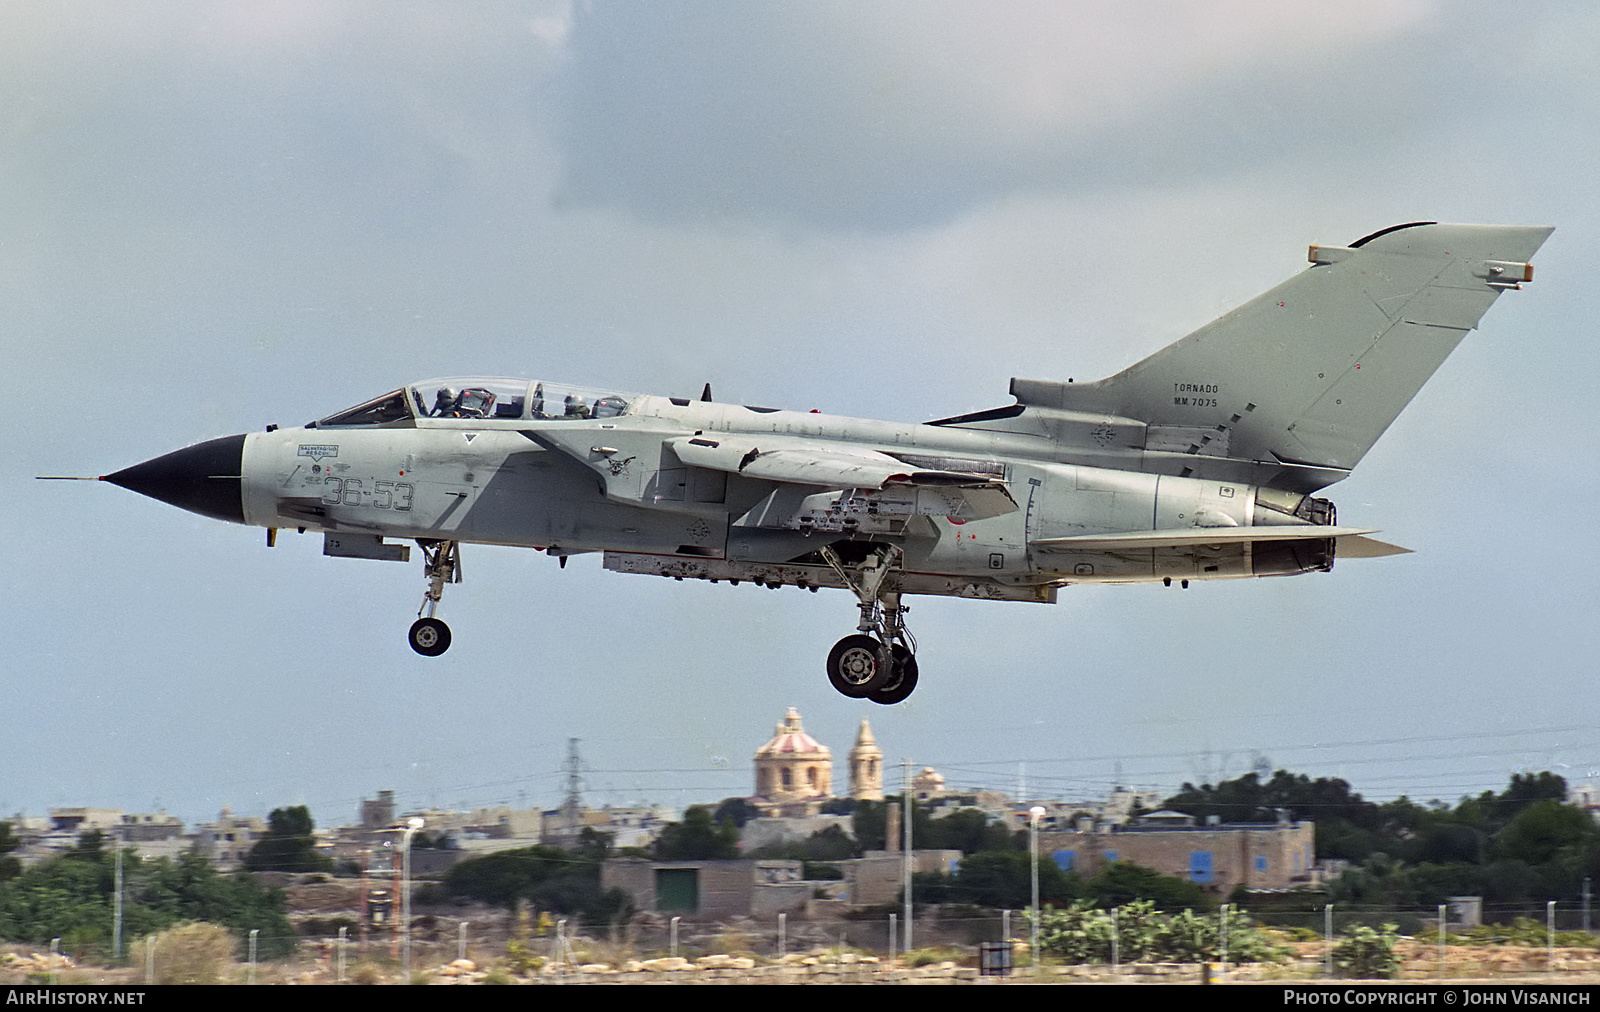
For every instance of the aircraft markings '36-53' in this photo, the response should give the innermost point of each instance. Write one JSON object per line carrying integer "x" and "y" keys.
{"x": 1197, "y": 463}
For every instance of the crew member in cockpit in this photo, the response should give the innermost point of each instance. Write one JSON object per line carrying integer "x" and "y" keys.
{"x": 443, "y": 402}
{"x": 576, "y": 408}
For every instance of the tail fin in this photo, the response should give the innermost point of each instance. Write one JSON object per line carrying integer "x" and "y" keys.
{"x": 1314, "y": 371}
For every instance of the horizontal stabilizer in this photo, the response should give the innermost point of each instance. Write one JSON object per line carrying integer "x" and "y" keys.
{"x": 1187, "y": 536}
{"x": 1368, "y": 548}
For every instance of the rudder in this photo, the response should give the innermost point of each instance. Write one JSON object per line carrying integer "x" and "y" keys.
{"x": 1315, "y": 370}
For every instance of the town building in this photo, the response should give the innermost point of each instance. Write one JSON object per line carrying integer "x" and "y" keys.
{"x": 226, "y": 843}
{"x": 866, "y": 766}
{"x": 1217, "y": 857}
{"x": 878, "y": 876}
{"x": 152, "y": 835}
{"x": 709, "y": 889}
{"x": 627, "y": 826}
{"x": 794, "y": 772}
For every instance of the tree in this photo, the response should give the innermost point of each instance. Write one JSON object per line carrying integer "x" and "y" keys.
{"x": 831, "y": 843}
{"x": 1004, "y": 879}
{"x": 593, "y": 845}
{"x": 1124, "y": 882}
{"x": 294, "y": 821}
{"x": 1541, "y": 830}
{"x": 1347, "y": 825}
{"x": 71, "y": 897}
{"x": 10, "y": 867}
{"x": 970, "y": 831}
{"x": 505, "y": 877}
{"x": 91, "y": 846}
{"x": 1520, "y": 846}
{"x": 288, "y": 845}
{"x": 548, "y": 877}
{"x": 867, "y": 824}
{"x": 1527, "y": 789}
{"x": 1445, "y": 841}
{"x": 697, "y": 838}
{"x": 737, "y": 811}
{"x": 870, "y": 819}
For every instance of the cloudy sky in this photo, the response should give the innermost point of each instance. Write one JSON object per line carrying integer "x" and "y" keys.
{"x": 215, "y": 216}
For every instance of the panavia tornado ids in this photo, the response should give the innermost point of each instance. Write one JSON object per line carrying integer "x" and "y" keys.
{"x": 1198, "y": 463}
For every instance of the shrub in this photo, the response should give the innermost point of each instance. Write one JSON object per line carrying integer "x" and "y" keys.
{"x": 366, "y": 973}
{"x": 934, "y": 956}
{"x": 1367, "y": 953}
{"x": 1080, "y": 933}
{"x": 192, "y": 954}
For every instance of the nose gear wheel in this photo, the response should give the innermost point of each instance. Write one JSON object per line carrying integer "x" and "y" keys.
{"x": 429, "y": 637}
{"x": 441, "y": 564}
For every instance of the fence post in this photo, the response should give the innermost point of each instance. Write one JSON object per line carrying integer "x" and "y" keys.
{"x": 1444, "y": 911}
{"x": 1327, "y": 931}
{"x": 1550, "y": 935}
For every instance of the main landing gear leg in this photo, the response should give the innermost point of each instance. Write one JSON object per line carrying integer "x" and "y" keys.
{"x": 879, "y": 662}
{"x": 441, "y": 565}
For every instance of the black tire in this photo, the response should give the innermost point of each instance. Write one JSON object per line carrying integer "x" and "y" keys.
{"x": 858, "y": 665}
{"x": 429, "y": 637}
{"x": 902, "y": 679}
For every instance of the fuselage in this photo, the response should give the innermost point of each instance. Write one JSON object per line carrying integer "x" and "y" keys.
{"x": 582, "y": 483}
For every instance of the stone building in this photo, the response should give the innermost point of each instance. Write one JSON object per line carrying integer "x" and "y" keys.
{"x": 866, "y": 766}
{"x": 227, "y": 842}
{"x": 1218, "y": 858}
{"x": 794, "y": 772}
{"x": 710, "y": 889}
{"x": 928, "y": 785}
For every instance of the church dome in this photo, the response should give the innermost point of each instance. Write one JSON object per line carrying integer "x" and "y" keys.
{"x": 791, "y": 741}
{"x": 794, "y": 771}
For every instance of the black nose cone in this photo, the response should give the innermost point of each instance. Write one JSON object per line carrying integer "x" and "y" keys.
{"x": 202, "y": 479}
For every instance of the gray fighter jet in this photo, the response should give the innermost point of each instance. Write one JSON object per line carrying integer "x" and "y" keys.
{"x": 1197, "y": 463}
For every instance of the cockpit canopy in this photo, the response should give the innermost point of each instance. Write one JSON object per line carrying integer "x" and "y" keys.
{"x": 489, "y": 399}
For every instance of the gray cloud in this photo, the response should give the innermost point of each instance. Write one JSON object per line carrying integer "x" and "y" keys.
{"x": 893, "y": 116}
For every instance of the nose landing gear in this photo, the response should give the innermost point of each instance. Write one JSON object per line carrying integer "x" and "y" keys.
{"x": 429, "y": 636}
{"x": 879, "y": 662}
